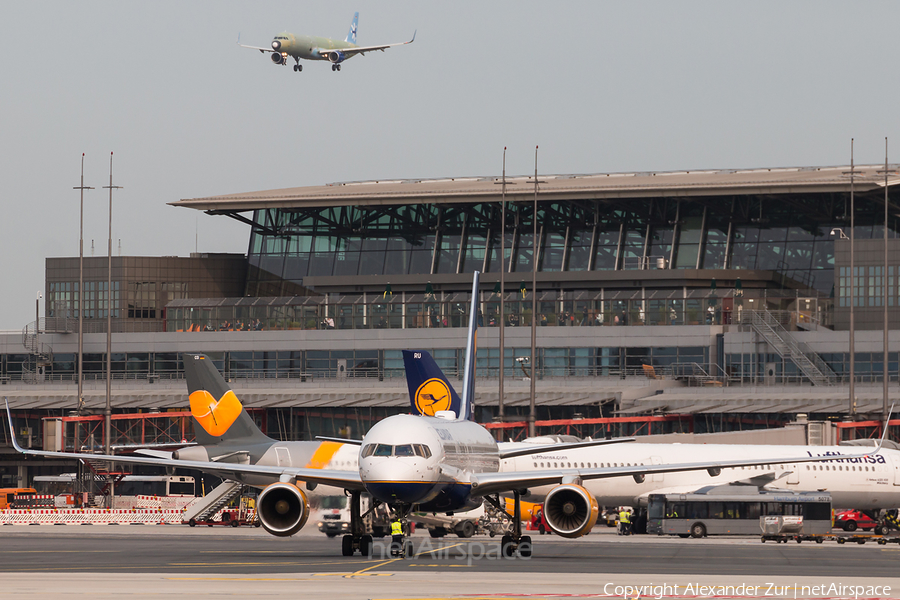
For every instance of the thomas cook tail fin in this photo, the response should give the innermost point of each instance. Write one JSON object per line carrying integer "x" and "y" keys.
{"x": 429, "y": 390}
{"x": 218, "y": 414}
{"x": 351, "y": 37}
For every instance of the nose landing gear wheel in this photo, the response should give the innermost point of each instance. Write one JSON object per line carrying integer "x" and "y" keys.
{"x": 347, "y": 545}
{"x": 525, "y": 546}
{"x": 365, "y": 545}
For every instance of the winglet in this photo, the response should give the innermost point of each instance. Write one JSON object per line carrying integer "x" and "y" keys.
{"x": 413, "y": 37}
{"x": 884, "y": 433}
{"x": 239, "y": 38}
{"x": 12, "y": 430}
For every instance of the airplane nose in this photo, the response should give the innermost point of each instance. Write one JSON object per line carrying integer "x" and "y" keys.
{"x": 276, "y": 45}
{"x": 391, "y": 482}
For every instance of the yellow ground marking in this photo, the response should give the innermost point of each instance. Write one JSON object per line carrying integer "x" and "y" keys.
{"x": 438, "y": 549}
{"x": 361, "y": 572}
{"x": 254, "y": 564}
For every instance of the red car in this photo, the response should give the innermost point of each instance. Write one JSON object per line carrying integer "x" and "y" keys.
{"x": 851, "y": 520}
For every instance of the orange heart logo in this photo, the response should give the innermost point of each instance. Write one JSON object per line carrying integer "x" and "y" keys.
{"x": 215, "y": 417}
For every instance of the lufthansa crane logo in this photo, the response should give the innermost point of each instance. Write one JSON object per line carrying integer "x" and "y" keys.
{"x": 432, "y": 396}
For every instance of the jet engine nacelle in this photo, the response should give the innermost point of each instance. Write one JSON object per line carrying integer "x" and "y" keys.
{"x": 197, "y": 453}
{"x": 336, "y": 57}
{"x": 277, "y": 58}
{"x": 570, "y": 510}
{"x": 282, "y": 509}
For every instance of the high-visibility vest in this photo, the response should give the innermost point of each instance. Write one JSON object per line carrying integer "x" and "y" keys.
{"x": 396, "y": 528}
{"x": 623, "y": 517}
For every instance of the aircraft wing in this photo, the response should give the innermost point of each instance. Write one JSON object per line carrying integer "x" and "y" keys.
{"x": 349, "y": 480}
{"x": 353, "y": 50}
{"x": 261, "y": 49}
{"x": 513, "y": 450}
{"x": 492, "y": 483}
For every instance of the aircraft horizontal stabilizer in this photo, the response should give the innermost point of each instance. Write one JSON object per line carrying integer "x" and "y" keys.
{"x": 325, "y": 438}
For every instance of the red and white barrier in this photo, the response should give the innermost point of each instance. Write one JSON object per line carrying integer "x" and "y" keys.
{"x": 92, "y": 516}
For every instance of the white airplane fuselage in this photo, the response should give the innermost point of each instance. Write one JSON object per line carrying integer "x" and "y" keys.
{"x": 308, "y": 47}
{"x": 863, "y": 483}
{"x": 437, "y": 482}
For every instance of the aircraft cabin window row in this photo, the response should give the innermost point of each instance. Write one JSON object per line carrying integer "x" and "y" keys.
{"x": 399, "y": 450}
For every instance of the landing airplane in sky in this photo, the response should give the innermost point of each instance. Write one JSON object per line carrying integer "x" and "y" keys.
{"x": 444, "y": 462}
{"x": 318, "y": 48}
{"x": 869, "y": 483}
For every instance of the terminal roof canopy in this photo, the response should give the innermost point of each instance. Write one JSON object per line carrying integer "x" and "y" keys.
{"x": 556, "y": 187}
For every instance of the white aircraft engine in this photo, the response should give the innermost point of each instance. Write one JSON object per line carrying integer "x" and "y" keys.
{"x": 570, "y": 510}
{"x": 282, "y": 509}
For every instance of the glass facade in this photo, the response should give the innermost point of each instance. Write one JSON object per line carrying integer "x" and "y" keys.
{"x": 789, "y": 234}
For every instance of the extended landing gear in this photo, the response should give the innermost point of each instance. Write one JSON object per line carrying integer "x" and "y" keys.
{"x": 298, "y": 67}
{"x": 357, "y": 539}
{"x": 513, "y": 542}
{"x": 335, "y": 67}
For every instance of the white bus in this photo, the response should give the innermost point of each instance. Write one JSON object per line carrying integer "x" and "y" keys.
{"x": 130, "y": 485}
{"x": 699, "y": 515}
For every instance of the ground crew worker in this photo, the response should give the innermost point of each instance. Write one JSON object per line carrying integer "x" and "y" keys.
{"x": 625, "y": 521}
{"x": 396, "y": 537}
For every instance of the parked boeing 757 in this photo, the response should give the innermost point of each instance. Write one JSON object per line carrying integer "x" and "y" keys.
{"x": 445, "y": 462}
{"x": 310, "y": 47}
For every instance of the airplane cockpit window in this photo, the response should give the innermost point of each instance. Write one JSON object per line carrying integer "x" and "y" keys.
{"x": 403, "y": 450}
{"x": 384, "y": 450}
{"x": 368, "y": 450}
{"x": 422, "y": 450}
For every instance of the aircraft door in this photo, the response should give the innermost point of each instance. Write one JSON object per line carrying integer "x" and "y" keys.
{"x": 283, "y": 457}
{"x": 656, "y": 476}
{"x": 794, "y": 475}
{"x": 895, "y": 467}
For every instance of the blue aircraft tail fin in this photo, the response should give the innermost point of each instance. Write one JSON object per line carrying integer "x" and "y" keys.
{"x": 351, "y": 37}
{"x": 429, "y": 389}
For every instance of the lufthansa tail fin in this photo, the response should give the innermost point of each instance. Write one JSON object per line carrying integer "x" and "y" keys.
{"x": 218, "y": 414}
{"x": 429, "y": 389}
{"x": 351, "y": 37}
{"x": 468, "y": 395}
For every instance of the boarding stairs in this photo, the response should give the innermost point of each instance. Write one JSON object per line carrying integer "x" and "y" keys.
{"x": 39, "y": 356}
{"x": 784, "y": 344}
{"x": 102, "y": 476}
{"x": 204, "y": 508}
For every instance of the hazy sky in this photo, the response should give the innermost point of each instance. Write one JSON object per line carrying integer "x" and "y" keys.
{"x": 600, "y": 86}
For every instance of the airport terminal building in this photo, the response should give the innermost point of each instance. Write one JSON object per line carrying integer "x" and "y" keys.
{"x": 719, "y": 297}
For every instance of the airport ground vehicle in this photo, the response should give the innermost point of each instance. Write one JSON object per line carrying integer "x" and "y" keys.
{"x": 538, "y": 523}
{"x": 6, "y": 495}
{"x": 333, "y": 516}
{"x": 699, "y": 515}
{"x": 851, "y": 520}
{"x": 463, "y": 524}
